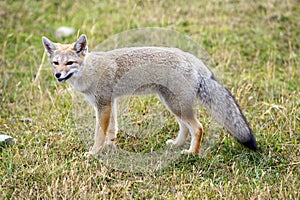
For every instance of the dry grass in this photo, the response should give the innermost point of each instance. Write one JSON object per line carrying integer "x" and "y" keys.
{"x": 255, "y": 46}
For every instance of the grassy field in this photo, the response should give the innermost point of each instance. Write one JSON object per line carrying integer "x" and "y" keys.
{"x": 256, "y": 49}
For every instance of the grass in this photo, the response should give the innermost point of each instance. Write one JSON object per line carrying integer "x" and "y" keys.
{"x": 255, "y": 46}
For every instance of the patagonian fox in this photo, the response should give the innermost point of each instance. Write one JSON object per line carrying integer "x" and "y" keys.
{"x": 178, "y": 78}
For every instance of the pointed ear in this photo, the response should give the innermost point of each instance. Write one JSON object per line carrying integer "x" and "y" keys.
{"x": 81, "y": 46}
{"x": 48, "y": 45}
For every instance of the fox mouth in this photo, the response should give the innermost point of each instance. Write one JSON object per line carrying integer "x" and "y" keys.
{"x": 66, "y": 77}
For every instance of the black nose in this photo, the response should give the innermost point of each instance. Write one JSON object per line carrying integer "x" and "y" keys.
{"x": 57, "y": 75}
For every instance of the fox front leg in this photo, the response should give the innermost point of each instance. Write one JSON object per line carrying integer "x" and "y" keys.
{"x": 113, "y": 126}
{"x": 103, "y": 114}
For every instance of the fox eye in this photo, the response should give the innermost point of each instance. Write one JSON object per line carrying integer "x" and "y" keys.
{"x": 55, "y": 63}
{"x": 70, "y": 63}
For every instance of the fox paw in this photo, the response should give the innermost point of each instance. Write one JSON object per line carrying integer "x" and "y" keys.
{"x": 88, "y": 154}
{"x": 175, "y": 143}
{"x": 170, "y": 142}
{"x": 92, "y": 153}
{"x": 188, "y": 152}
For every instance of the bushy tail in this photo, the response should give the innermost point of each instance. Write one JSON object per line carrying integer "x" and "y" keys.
{"x": 224, "y": 109}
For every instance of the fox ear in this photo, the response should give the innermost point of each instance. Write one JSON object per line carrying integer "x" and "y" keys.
{"x": 48, "y": 45}
{"x": 81, "y": 46}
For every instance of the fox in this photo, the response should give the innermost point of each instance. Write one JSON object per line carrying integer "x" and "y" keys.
{"x": 178, "y": 78}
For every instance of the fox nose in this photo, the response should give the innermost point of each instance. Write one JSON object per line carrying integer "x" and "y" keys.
{"x": 57, "y": 75}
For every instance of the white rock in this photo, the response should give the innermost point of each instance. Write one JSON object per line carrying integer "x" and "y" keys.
{"x": 64, "y": 31}
{"x": 6, "y": 140}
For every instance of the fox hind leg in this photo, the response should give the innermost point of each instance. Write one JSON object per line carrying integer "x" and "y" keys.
{"x": 183, "y": 110}
{"x": 189, "y": 125}
{"x": 182, "y": 134}
{"x": 196, "y": 131}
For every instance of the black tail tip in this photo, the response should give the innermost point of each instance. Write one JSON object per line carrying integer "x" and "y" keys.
{"x": 251, "y": 143}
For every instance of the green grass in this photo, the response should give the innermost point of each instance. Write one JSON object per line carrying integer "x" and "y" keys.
{"x": 255, "y": 45}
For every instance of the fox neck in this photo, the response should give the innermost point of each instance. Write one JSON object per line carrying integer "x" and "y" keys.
{"x": 80, "y": 81}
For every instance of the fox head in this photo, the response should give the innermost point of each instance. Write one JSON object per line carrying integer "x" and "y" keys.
{"x": 66, "y": 59}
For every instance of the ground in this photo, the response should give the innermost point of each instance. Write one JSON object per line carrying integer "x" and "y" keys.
{"x": 255, "y": 47}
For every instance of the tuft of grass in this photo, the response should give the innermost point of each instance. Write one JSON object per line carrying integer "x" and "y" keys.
{"x": 255, "y": 47}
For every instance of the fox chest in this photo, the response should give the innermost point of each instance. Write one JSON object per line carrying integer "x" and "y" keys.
{"x": 91, "y": 99}
{"x": 98, "y": 101}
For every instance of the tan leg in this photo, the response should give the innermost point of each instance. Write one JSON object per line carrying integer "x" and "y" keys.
{"x": 196, "y": 131}
{"x": 113, "y": 126}
{"x": 102, "y": 123}
{"x": 182, "y": 109}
